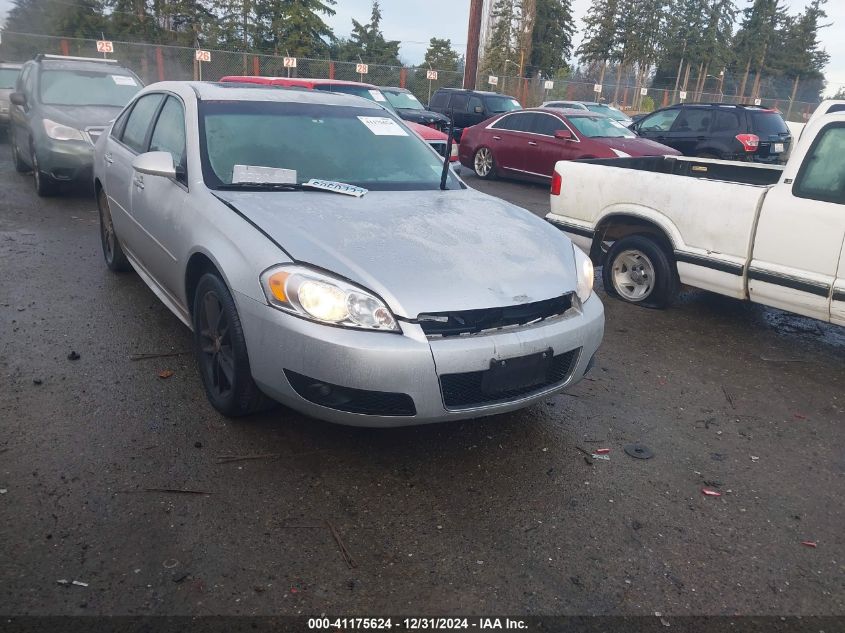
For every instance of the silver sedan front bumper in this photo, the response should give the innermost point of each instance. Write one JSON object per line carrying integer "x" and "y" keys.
{"x": 283, "y": 347}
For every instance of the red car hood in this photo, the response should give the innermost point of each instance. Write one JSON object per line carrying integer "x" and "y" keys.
{"x": 638, "y": 146}
{"x": 428, "y": 133}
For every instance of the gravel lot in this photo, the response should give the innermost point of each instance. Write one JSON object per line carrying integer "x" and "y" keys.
{"x": 501, "y": 515}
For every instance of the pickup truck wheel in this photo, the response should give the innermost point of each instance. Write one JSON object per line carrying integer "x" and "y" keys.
{"x": 483, "y": 163}
{"x": 638, "y": 270}
{"x": 220, "y": 351}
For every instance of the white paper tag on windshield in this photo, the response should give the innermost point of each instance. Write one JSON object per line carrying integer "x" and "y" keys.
{"x": 258, "y": 175}
{"x": 377, "y": 95}
{"x": 336, "y": 187}
{"x": 413, "y": 97}
{"x": 382, "y": 126}
{"x": 123, "y": 80}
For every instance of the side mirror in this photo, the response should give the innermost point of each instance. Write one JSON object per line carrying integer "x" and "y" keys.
{"x": 18, "y": 98}
{"x": 478, "y": 109}
{"x": 564, "y": 135}
{"x": 155, "y": 164}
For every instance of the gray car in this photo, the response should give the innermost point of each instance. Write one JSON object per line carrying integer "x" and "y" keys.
{"x": 60, "y": 107}
{"x": 305, "y": 239}
{"x": 8, "y": 76}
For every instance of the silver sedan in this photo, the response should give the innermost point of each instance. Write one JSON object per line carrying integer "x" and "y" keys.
{"x": 323, "y": 261}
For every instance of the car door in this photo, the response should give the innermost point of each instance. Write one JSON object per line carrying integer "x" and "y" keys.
{"x": 157, "y": 201}
{"x": 458, "y": 110}
{"x": 509, "y": 141}
{"x": 656, "y": 126}
{"x": 19, "y": 116}
{"x": 124, "y": 144}
{"x": 544, "y": 150}
{"x": 797, "y": 260}
{"x": 691, "y": 128}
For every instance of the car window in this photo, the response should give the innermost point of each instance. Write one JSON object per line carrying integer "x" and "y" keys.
{"x": 600, "y": 126}
{"x": 27, "y": 82}
{"x": 119, "y": 123}
{"x": 547, "y": 124}
{"x": 768, "y": 123}
{"x": 501, "y": 104}
{"x": 8, "y": 77}
{"x": 84, "y": 87}
{"x": 21, "y": 82}
{"x": 439, "y": 100}
{"x": 822, "y": 176}
{"x": 169, "y": 132}
{"x": 693, "y": 120}
{"x": 836, "y": 107}
{"x": 403, "y": 100}
{"x": 725, "y": 121}
{"x": 521, "y": 122}
{"x": 138, "y": 123}
{"x": 475, "y": 102}
{"x": 459, "y": 103}
{"x": 659, "y": 121}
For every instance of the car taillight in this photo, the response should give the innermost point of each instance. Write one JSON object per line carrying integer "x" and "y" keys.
{"x": 750, "y": 142}
{"x": 557, "y": 181}
{"x": 454, "y": 155}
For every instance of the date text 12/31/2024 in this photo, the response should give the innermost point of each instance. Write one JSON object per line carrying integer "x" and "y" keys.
{"x": 416, "y": 624}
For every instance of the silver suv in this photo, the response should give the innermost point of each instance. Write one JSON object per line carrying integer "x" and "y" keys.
{"x": 60, "y": 107}
{"x": 8, "y": 76}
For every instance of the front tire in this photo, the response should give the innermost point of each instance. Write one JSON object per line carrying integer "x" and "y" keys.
{"x": 44, "y": 184}
{"x": 638, "y": 269}
{"x": 220, "y": 351}
{"x": 112, "y": 252}
{"x": 20, "y": 166}
{"x": 483, "y": 163}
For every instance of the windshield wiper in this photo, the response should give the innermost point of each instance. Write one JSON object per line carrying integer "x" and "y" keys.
{"x": 312, "y": 185}
{"x": 262, "y": 186}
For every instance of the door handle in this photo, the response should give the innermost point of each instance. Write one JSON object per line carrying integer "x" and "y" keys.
{"x": 532, "y": 143}
{"x": 108, "y": 158}
{"x": 497, "y": 138}
{"x": 138, "y": 181}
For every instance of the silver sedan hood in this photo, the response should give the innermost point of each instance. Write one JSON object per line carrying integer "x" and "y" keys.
{"x": 422, "y": 251}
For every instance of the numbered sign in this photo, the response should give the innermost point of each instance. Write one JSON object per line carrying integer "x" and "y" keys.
{"x": 758, "y": 101}
{"x": 431, "y": 75}
{"x": 644, "y": 91}
{"x": 202, "y": 56}
{"x": 683, "y": 94}
{"x": 290, "y": 62}
{"x": 105, "y": 46}
{"x": 362, "y": 69}
{"x": 596, "y": 87}
{"x": 548, "y": 85}
{"x": 493, "y": 80}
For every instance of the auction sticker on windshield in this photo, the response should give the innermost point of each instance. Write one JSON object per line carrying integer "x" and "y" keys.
{"x": 377, "y": 95}
{"x": 258, "y": 175}
{"x": 123, "y": 80}
{"x": 382, "y": 126}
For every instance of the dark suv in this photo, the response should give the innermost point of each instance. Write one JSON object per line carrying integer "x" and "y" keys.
{"x": 470, "y": 106}
{"x": 717, "y": 130}
{"x": 60, "y": 107}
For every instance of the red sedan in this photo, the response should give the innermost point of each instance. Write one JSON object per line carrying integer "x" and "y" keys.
{"x": 528, "y": 143}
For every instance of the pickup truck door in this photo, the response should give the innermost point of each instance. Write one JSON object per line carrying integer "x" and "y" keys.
{"x": 797, "y": 253}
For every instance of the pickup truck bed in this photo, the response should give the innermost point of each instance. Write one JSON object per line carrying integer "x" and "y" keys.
{"x": 742, "y": 173}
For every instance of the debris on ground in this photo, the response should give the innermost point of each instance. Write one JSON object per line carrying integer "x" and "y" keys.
{"x": 73, "y": 356}
{"x": 36, "y": 381}
{"x": 601, "y": 451}
{"x": 597, "y": 456}
{"x": 754, "y": 458}
{"x": 3, "y": 491}
{"x": 729, "y": 397}
{"x": 588, "y": 456}
{"x": 156, "y": 355}
{"x": 171, "y": 490}
{"x": 639, "y": 451}
{"x": 197, "y": 444}
{"x": 710, "y": 493}
{"x": 225, "y": 459}
{"x": 800, "y": 416}
{"x": 809, "y": 543}
{"x": 347, "y": 557}
{"x": 67, "y": 583}
{"x": 166, "y": 373}
{"x": 170, "y": 563}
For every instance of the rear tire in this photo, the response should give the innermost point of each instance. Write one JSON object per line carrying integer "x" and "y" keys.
{"x": 20, "y": 166}
{"x": 638, "y": 269}
{"x": 112, "y": 252}
{"x": 220, "y": 351}
{"x": 483, "y": 163}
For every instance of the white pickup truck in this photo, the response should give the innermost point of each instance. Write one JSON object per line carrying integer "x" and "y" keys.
{"x": 770, "y": 234}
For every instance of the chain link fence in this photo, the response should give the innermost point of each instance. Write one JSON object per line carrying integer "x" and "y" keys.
{"x": 154, "y": 62}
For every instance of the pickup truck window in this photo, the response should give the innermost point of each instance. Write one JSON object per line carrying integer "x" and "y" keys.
{"x": 822, "y": 176}
{"x": 660, "y": 122}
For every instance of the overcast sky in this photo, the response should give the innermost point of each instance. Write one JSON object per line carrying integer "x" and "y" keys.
{"x": 414, "y": 22}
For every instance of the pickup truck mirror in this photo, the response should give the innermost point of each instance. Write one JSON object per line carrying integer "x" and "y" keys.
{"x": 564, "y": 135}
{"x": 155, "y": 164}
{"x": 18, "y": 98}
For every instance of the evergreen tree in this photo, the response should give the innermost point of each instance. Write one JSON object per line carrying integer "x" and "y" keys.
{"x": 440, "y": 55}
{"x": 600, "y": 32}
{"x": 551, "y": 38}
{"x": 368, "y": 43}
{"x": 502, "y": 44}
{"x": 296, "y": 27}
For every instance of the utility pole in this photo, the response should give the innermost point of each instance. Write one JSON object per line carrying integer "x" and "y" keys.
{"x": 473, "y": 38}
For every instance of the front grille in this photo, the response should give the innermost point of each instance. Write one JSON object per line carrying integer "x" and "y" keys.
{"x": 465, "y": 390}
{"x": 475, "y": 321}
{"x": 349, "y": 399}
{"x": 439, "y": 147}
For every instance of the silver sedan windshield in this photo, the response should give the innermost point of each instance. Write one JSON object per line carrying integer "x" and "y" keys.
{"x": 293, "y": 143}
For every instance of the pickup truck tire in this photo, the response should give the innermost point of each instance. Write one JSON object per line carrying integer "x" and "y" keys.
{"x": 483, "y": 164}
{"x": 638, "y": 269}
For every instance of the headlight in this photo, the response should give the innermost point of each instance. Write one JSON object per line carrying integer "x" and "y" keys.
{"x": 585, "y": 273}
{"x": 60, "y": 132}
{"x": 320, "y": 297}
{"x": 619, "y": 153}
